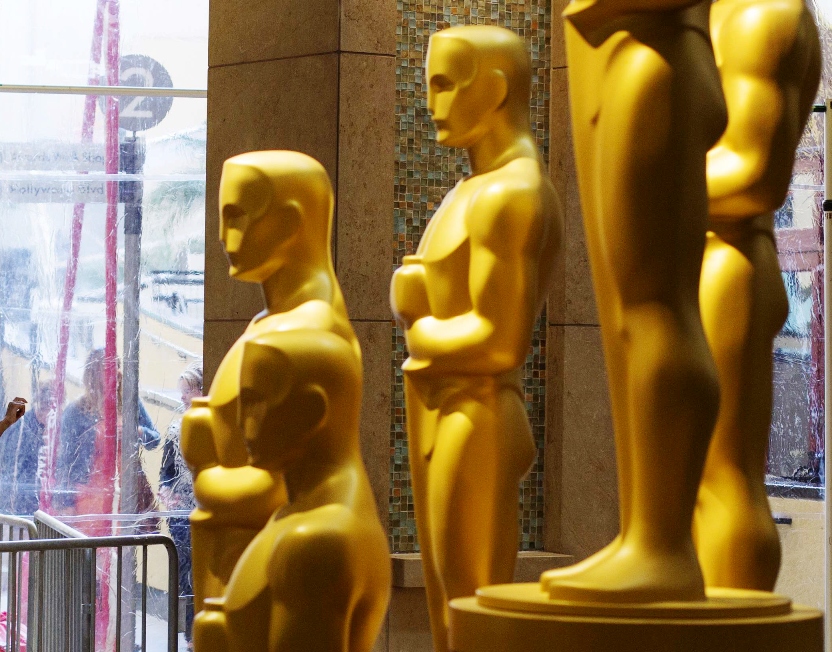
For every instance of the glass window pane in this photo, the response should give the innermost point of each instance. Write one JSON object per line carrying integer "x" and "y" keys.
{"x": 796, "y": 456}
{"x": 54, "y": 214}
{"x": 51, "y": 39}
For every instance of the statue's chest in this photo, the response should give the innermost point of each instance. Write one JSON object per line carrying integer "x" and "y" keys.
{"x": 448, "y": 229}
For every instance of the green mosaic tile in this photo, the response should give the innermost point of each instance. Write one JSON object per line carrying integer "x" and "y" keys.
{"x": 425, "y": 172}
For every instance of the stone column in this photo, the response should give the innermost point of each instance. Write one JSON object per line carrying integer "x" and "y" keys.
{"x": 581, "y": 492}
{"x": 316, "y": 76}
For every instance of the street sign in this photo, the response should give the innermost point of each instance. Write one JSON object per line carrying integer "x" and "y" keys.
{"x": 53, "y": 191}
{"x": 137, "y": 113}
{"x": 25, "y": 167}
{"x": 43, "y": 155}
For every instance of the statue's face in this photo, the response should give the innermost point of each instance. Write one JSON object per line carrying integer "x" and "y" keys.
{"x": 261, "y": 415}
{"x": 254, "y": 406}
{"x": 458, "y": 98}
{"x": 252, "y": 227}
{"x": 275, "y": 411}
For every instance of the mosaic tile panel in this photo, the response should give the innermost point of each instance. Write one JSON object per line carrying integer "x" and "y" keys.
{"x": 425, "y": 173}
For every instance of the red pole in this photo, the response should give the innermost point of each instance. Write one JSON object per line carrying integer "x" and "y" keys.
{"x": 110, "y": 250}
{"x": 56, "y": 413}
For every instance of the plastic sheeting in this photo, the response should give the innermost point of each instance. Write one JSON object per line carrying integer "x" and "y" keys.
{"x": 51, "y": 172}
{"x": 796, "y": 440}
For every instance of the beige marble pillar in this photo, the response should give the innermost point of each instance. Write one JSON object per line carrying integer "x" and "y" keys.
{"x": 317, "y": 76}
{"x": 580, "y": 454}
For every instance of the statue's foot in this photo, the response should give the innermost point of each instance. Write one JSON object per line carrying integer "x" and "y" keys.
{"x": 556, "y": 574}
{"x": 634, "y": 574}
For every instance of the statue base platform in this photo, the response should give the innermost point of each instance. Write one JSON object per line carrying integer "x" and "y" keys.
{"x": 522, "y": 618}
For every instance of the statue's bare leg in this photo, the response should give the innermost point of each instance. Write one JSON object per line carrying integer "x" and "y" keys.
{"x": 657, "y": 121}
{"x": 421, "y": 424}
{"x": 483, "y": 447}
{"x": 585, "y": 101}
{"x": 744, "y": 305}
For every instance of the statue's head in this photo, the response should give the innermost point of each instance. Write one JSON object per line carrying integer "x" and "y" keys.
{"x": 295, "y": 385}
{"x": 275, "y": 208}
{"x": 478, "y": 76}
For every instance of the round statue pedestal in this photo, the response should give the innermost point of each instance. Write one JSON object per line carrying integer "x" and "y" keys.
{"x": 521, "y": 618}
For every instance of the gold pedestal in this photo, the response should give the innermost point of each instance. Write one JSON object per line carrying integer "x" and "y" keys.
{"x": 521, "y": 618}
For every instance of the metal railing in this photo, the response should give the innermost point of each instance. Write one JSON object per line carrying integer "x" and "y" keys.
{"x": 14, "y": 602}
{"x": 63, "y": 577}
{"x": 61, "y": 613}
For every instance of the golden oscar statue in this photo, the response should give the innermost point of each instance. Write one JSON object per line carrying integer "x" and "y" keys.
{"x": 768, "y": 55}
{"x": 647, "y": 107}
{"x": 467, "y": 302}
{"x": 275, "y": 223}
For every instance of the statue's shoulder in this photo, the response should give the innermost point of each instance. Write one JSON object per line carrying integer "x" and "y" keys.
{"x": 766, "y": 26}
{"x": 520, "y": 178}
{"x": 314, "y": 551}
{"x": 512, "y": 202}
{"x": 310, "y": 315}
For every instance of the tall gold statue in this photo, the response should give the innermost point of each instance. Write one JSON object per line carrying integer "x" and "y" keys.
{"x": 467, "y": 301}
{"x": 768, "y": 55}
{"x": 285, "y": 403}
{"x": 646, "y": 107}
{"x": 234, "y": 499}
{"x": 275, "y": 223}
